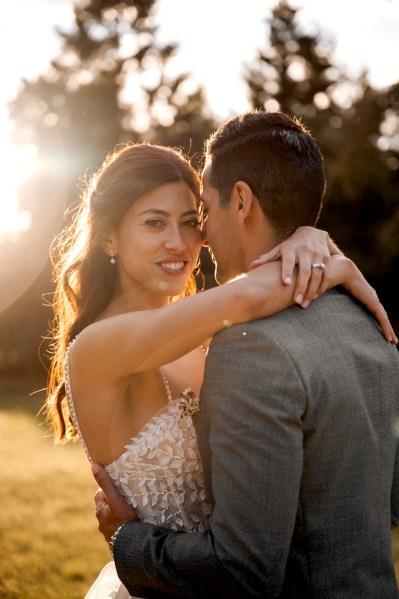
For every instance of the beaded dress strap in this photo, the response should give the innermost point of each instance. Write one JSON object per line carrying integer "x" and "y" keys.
{"x": 71, "y": 405}
{"x": 167, "y": 386}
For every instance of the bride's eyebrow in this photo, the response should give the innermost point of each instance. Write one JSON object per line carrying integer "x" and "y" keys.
{"x": 164, "y": 213}
{"x": 154, "y": 211}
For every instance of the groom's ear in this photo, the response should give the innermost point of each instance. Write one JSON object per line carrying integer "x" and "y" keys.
{"x": 243, "y": 199}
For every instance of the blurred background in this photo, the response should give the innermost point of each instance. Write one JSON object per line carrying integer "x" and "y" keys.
{"x": 80, "y": 77}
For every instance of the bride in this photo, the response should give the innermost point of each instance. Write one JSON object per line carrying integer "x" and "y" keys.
{"x": 128, "y": 359}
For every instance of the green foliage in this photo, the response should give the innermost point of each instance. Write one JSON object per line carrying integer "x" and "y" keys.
{"x": 110, "y": 83}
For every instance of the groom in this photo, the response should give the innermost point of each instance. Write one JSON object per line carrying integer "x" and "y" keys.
{"x": 298, "y": 412}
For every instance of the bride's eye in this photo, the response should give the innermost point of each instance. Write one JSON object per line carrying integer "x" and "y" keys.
{"x": 154, "y": 222}
{"x": 192, "y": 223}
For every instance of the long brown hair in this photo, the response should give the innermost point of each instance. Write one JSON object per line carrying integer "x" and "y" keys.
{"x": 83, "y": 275}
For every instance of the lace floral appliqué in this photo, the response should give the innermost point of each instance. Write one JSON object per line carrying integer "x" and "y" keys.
{"x": 160, "y": 471}
{"x": 191, "y": 404}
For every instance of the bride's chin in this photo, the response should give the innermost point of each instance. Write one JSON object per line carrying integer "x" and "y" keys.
{"x": 167, "y": 288}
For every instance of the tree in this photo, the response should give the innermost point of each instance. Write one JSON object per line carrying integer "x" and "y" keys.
{"x": 110, "y": 83}
{"x": 356, "y": 128}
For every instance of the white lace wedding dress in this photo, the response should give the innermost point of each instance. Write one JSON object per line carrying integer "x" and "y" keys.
{"x": 160, "y": 474}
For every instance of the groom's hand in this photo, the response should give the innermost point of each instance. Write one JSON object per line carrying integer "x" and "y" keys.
{"x": 112, "y": 509}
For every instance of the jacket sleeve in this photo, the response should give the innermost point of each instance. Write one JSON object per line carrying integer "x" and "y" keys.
{"x": 152, "y": 561}
{"x": 395, "y": 491}
{"x": 255, "y": 436}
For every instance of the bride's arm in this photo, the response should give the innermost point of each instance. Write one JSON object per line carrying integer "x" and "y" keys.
{"x": 306, "y": 246}
{"x": 138, "y": 341}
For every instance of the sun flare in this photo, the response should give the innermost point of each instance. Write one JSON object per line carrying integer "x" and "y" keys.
{"x": 18, "y": 164}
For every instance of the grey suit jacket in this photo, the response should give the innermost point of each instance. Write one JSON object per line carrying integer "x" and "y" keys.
{"x": 297, "y": 436}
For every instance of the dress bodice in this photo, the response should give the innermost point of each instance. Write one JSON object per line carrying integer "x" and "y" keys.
{"x": 160, "y": 470}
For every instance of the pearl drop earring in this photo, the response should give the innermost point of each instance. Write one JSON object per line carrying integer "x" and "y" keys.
{"x": 112, "y": 259}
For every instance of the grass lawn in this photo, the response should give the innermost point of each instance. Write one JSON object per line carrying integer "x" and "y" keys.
{"x": 50, "y": 545}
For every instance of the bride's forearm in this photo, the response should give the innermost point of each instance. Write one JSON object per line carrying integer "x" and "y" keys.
{"x": 258, "y": 294}
{"x": 186, "y": 324}
{"x": 138, "y": 341}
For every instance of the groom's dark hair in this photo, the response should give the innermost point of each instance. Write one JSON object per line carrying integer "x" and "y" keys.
{"x": 280, "y": 161}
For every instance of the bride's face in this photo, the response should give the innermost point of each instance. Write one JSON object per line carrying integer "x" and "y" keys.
{"x": 157, "y": 243}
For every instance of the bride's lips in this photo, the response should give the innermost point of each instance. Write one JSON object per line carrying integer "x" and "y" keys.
{"x": 174, "y": 267}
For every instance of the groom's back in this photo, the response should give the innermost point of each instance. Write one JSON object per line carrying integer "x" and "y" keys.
{"x": 311, "y": 397}
{"x": 341, "y": 543}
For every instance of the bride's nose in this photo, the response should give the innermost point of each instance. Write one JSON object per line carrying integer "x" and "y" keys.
{"x": 175, "y": 240}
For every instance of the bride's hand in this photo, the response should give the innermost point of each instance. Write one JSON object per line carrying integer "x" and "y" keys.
{"x": 352, "y": 279}
{"x": 306, "y": 246}
{"x": 112, "y": 509}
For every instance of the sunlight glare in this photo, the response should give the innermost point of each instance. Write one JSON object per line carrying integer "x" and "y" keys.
{"x": 19, "y": 163}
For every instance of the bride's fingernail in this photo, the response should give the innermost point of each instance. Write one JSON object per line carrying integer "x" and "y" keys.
{"x": 299, "y": 299}
{"x": 288, "y": 280}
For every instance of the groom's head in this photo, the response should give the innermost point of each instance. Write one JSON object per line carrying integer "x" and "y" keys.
{"x": 263, "y": 178}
